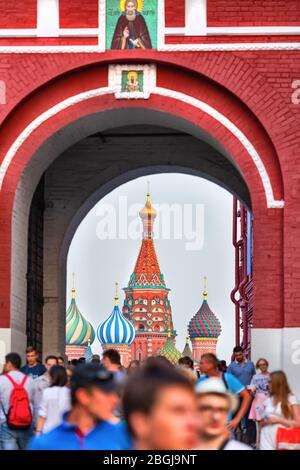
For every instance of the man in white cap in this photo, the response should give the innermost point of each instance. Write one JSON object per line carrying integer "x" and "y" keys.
{"x": 214, "y": 404}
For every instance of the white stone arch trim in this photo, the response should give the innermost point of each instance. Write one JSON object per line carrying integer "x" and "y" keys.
{"x": 187, "y": 99}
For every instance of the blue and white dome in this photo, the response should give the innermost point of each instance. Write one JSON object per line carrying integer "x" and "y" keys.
{"x": 116, "y": 329}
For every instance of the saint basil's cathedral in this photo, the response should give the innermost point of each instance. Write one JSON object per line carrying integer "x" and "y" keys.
{"x": 145, "y": 326}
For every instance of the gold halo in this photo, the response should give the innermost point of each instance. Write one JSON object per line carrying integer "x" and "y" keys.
{"x": 132, "y": 72}
{"x": 139, "y": 5}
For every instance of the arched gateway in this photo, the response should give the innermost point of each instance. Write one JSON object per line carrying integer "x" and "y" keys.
{"x": 79, "y": 120}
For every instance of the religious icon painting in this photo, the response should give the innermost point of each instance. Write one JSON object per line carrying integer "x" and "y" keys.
{"x": 132, "y": 81}
{"x": 131, "y": 24}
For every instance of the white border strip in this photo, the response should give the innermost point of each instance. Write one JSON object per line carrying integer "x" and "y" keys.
{"x": 78, "y": 32}
{"x": 25, "y": 134}
{"x": 161, "y": 31}
{"x": 286, "y": 46}
{"x": 179, "y": 31}
{"x": 253, "y": 30}
{"x": 102, "y": 25}
{"x": 254, "y": 46}
{"x": 238, "y": 31}
{"x": 18, "y": 33}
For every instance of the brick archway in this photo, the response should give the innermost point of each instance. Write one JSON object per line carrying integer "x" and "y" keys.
{"x": 33, "y": 148}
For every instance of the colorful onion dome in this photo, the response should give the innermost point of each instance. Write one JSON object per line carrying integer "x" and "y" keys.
{"x": 170, "y": 352}
{"x": 78, "y": 330}
{"x": 204, "y": 323}
{"x": 116, "y": 329}
{"x": 187, "y": 350}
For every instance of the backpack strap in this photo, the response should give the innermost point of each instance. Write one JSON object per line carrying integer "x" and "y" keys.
{"x": 15, "y": 384}
{"x": 223, "y": 444}
{"x": 11, "y": 380}
{"x": 225, "y": 381}
{"x": 23, "y": 381}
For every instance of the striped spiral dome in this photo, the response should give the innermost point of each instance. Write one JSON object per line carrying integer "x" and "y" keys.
{"x": 116, "y": 329}
{"x": 204, "y": 323}
{"x": 79, "y": 331}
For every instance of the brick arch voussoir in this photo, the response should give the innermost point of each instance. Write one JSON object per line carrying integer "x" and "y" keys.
{"x": 107, "y": 102}
{"x": 228, "y": 69}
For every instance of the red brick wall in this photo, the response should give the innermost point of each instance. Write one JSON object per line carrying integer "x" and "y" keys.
{"x": 260, "y": 79}
{"x": 253, "y": 12}
{"x": 18, "y": 14}
{"x": 175, "y": 13}
{"x": 78, "y": 13}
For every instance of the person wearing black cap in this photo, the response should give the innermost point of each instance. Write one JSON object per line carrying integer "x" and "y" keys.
{"x": 86, "y": 427}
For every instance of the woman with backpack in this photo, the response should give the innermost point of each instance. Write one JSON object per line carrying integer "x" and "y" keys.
{"x": 281, "y": 410}
{"x": 55, "y": 401}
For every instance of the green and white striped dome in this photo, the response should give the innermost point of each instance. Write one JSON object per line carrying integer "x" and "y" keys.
{"x": 78, "y": 330}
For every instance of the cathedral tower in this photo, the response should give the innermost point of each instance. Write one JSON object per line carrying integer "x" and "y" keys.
{"x": 146, "y": 303}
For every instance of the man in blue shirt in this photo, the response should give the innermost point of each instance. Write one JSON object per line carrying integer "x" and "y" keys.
{"x": 33, "y": 368}
{"x": 241, "y": 368}
{"x": 209, "y": 364}
{"x": 86, "y": 427}
{"x": 244, "y": 370}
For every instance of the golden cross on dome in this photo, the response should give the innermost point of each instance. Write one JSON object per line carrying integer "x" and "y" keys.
{"x": 187, "y": 338}
{"x": 117, "y": 295}
{"x": 148, "y": 188}
{"x": 205, "y": 293}
{"x": 73, "y": 285}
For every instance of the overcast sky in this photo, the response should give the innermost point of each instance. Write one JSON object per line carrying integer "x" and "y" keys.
{"x": 199, "y": 243}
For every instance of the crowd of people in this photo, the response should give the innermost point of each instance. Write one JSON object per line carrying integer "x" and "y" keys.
{"x": 100, "y": 405}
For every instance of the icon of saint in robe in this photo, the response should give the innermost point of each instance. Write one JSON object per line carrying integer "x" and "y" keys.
{"x": 131, "y": 30}
{"x": 132, "y": 84}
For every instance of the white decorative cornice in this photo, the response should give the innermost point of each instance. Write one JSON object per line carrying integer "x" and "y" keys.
{"x": 254, "y": 46}
{"x": 192, "y": 28}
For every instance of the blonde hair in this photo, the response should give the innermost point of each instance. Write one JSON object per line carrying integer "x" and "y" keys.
{"x": 261, "y": 359}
